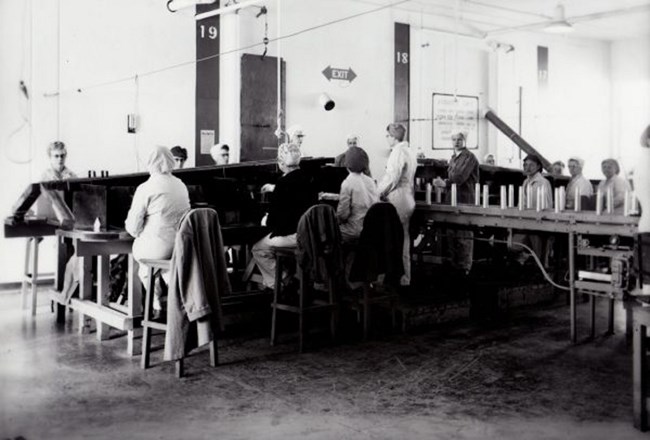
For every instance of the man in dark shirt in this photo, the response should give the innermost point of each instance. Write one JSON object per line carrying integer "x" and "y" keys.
{"x": 464, "y": 172}
{"x": 341, "y": 159}
{"x": 292, "y": 196}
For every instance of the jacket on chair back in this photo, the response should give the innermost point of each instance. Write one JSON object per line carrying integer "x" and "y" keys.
{"x": 319, "y": 244}
{"x": 197, "y": 281}
{"x": 380, "y": 246}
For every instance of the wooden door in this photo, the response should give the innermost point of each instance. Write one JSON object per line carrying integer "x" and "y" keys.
{"x": 259, "y": 101}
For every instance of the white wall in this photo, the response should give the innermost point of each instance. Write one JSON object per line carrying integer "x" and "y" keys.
{"x": 98, "y": 42}
{"x": 630, "y": 97}
{"x": 365, "y": 44}
{"x": 573, "y": 116}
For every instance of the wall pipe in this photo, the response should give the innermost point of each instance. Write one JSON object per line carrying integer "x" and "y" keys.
{"x": 514, "y": 137}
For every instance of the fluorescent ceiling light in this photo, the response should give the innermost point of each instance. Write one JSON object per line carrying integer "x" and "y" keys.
{"x": 232, "y": 8}
{"x": 175, "y": 5}
{"x": 559, "y": 25}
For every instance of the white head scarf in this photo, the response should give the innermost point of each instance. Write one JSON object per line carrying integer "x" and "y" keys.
{"x": 581, "y": 162}
{"x": 161, "y": 161}
{"x": 289, "y": 155}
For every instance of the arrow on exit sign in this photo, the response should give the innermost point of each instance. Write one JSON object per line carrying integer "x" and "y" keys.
{"x": 341, "y": 74}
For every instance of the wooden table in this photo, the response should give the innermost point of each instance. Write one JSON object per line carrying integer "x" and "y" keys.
{"x": 101, "y": 245}
{"x": 573, "y": 224}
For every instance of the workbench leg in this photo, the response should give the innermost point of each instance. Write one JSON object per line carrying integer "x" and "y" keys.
{"x": 592, "y": 316}
{"x": 135, "y": 307}
{"x": 103, "y": 292}
{"x": 572, "y": 287}
{"x": 629, "y": 323}
{"x": 85, "y": 288}
{"x": 36, "y": 241}
{"x": 26, "y": 275}
{"x": 640, "y": 378}
{"x": 610, "y": 317}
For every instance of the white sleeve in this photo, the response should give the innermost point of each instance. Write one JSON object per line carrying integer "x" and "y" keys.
{"x": 391, "y": 177}
{"x": 134, "y": 222}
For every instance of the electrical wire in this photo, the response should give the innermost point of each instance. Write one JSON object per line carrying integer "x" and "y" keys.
{"x": 526, "y": 248}
{"x": 240, "y": 49}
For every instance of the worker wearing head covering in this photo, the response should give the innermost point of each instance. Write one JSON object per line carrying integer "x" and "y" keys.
{"x": 220, "y": 154}
{"x": 489, "y": 159}
{"x": 579, "y": 185}
{"x": 358, "y": 193}
{"x": 537, "y": 191}
{"x": 292, "y": 195}
{"x": 396, "y": 186}
{"x": 615, "y": 183}
{"x": 156, "y": 211}
{"x": 353, "y": 140}
{"x": 557, "y": 168}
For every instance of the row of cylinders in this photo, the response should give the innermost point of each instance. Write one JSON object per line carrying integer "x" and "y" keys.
{"x": 507, "y": 199}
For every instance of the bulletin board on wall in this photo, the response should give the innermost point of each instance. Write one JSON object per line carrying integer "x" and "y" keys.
{"x": 451, "y": 114}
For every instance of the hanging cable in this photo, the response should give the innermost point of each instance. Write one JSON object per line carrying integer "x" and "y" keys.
{"x": 265, "y": 41}
{"x": 278, "y": 73}
{"x": 240, "y": 49}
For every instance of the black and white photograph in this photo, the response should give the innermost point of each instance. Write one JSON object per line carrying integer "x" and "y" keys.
{"x": 325, "y": 219}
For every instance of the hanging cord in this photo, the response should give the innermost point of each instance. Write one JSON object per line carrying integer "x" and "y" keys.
{"x": 23, "y": 97}
{"x": 280, "y": 111}
{"x": 265, "y": 40}
{"x": 240, "y": 49}
{"x": 138, "y": 161}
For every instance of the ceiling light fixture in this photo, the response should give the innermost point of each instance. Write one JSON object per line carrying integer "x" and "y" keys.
{"x": 559, "y": 25}
{"x": 232, "y": 7}
{"x": 175, "y": 5}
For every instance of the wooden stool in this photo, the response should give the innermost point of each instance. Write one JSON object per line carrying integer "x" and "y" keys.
{"x": 283, "y": 255}
{"x": 148, "y": 324}
{"x": 31, "y": 274}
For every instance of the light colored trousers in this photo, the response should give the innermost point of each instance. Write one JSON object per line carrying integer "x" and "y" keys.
{"x": 264, "y": 255}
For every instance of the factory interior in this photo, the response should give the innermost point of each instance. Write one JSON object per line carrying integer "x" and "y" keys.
{"x": 324, "y": 219}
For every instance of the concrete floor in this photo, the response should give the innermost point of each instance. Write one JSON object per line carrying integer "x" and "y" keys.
{"x": 520, "y": 379}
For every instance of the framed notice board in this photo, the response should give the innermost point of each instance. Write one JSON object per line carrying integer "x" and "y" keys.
{"x": 451, "y": 114}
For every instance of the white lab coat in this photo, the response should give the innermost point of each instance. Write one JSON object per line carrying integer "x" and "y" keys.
{"x": 156, "y": 211}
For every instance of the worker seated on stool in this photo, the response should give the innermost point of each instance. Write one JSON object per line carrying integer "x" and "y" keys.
{"x": 358, "y": 193}
{"x": 158, "y": 206}
{"x": 292, "y": 195}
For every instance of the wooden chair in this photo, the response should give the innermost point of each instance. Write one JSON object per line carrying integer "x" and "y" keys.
{"x": 325, "y": 249}
{"x": 306, "y": 300}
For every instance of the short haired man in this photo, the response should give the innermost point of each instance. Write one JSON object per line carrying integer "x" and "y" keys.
{"x": 463, "y": 171}
{"x": 341, "y": 160}
{"x": 57, "y": 170}
{"x": 180, "y": 156}
{"x": 578, "y": 181}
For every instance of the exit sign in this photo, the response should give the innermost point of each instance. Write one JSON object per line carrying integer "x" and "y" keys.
{"x": 340, "y": 74}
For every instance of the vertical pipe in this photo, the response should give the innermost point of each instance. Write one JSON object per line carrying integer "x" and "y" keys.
{"x": 572, "y": 289}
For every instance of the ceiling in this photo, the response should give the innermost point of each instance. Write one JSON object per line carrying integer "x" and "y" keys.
{"x": 596, "y": 19}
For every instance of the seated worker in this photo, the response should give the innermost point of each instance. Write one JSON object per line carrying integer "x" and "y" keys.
{"x": 534, "y": 180}
{"x": 358, "y": 194}
{"x": 463, "y": 170}
{"x": 296, "y": 136}
{"x": 180, "y": 156}
{"x": 158, "y": 206}
{"x": 557, "y": 168}
{"x": 489, "y": 159}
{"x": 577, "y": 181}
{"x": 642, "y": 192}
{"x": 618, "y": 184}
{"x": 57, "y": 170}
{"x": 292, "y": 196}
{"x": 341, "y": 159}
{"x": 220, "y": 154}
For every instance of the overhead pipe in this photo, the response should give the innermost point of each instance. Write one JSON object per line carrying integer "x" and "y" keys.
{"x": 514, "y": 137}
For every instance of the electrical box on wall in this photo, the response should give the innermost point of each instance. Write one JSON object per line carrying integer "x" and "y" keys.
{"x": 130, "y": 123}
